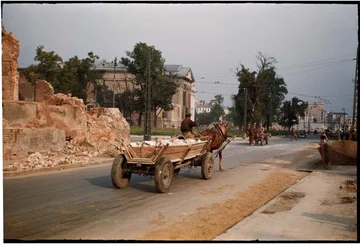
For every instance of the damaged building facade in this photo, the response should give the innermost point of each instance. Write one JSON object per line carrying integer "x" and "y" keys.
{"x": 52, "y": 123}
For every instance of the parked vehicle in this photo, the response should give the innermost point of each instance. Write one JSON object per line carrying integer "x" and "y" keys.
{"x": 302, "y": 134}
{"x": 330, "y": 134}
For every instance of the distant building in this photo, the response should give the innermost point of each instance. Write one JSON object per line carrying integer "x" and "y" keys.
{"x": 315, "y": 117}
{"x": 334, "y": 119}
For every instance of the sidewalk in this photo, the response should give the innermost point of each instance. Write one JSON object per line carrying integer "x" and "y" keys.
{"x": 319, "y": 207}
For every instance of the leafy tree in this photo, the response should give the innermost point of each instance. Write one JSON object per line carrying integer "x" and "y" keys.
{"x": 126, "y": 102}
{"x": 219, "y": 98}
{"x": 265, "y": 92}
{"x": 163, "y": 87}
{"x": 291, "y": 111}
{"x": 74, "y": 77}
{"x": 217, "y": 111}
{"x": 233, "y": 115}
{"x": 203, "y": 118}
{"x": 214, "y": 115}
{"x": 48, "y": 67}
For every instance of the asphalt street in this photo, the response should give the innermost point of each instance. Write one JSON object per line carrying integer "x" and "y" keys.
{"x": 82, "y": 203}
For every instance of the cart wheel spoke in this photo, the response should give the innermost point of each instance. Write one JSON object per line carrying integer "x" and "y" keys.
{"x": 164, "y": 171}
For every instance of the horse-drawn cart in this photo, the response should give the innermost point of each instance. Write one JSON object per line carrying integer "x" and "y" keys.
{"x": 163, "y": 162}
{"x": 261, "y": 137}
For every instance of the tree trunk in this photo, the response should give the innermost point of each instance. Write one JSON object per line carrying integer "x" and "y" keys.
{"x": 139, "y": 119}
{"x": 155, "y": 120}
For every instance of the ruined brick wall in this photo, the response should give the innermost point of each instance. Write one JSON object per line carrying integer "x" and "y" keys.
{"x": 26, "y": 89}
{"x": 10, "y": 74}
{"x": 43, "y": 91}
{"x": 27, "y": 124}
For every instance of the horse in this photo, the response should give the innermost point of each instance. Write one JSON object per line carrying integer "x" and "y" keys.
{"x": 251, "y": 133}
{"x": 218, "y": 134}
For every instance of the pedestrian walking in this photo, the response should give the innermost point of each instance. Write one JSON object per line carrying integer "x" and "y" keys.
{"x": 293, "y": 134}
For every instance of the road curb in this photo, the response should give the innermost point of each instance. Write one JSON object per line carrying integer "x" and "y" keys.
{"x": 9, "y": 174}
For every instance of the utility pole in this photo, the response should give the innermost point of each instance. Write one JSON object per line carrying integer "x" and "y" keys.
{"x": 270, "y": 108}
{"x": 147, "y": 122}
{"x": 245, "y": 108}
{"x": 354, "y": 120}
{"x": 309, "y": 115}
{"x": 114, "y": 83}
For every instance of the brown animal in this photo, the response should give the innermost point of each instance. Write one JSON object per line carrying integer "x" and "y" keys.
{"x": 218, "y": 135}
{"x": 251, "y": 133}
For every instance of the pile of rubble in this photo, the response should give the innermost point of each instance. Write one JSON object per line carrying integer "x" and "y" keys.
{"x": 346, "y": 147}
{"x": 34, "y": 161}
{"x": 350, "y": 185}
{"x": 161, "y": 142}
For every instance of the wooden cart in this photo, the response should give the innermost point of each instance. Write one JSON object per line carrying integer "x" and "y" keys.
{"x": 163, "y": 162}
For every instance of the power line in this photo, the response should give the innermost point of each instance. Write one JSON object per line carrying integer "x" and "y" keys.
{"x": 304, "y": 71}
{"x": 333, "y": 62}
{"x": 286, "y": 67}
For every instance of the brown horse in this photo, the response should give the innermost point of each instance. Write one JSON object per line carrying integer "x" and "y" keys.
{"x": 251, "y": 133}
{"x": 218, "y": 135}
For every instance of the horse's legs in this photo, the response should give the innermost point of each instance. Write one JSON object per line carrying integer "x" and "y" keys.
{"x": 220, "y": 160}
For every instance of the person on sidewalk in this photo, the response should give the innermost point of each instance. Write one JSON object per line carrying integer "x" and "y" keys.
{"x": 293, "y": 134}
{"x": 323, "y": 148}
{"x": 323, "y": 138}
{"x": 186, "y": 126}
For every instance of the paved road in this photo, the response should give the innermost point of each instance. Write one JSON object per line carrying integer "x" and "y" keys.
{"x": 82, "y": 203}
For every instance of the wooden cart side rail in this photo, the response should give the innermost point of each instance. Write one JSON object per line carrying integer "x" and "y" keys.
{"x": 205, "y": 146}
{"x": 187, "y": 150}
{"x": 161, "y": 152}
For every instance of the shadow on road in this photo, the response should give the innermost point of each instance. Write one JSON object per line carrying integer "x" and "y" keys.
{"x": 105, "y": 181}
{"x": 347, "y": 223}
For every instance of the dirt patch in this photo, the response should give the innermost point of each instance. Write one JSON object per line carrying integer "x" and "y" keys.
{"x": 348, "y": 199}
{"x": 210, "y": 221}
{"x": 95, "y": 205}
{"x": 159, "y": 221}
{"x": 17, "y": 223}
{"x": 219, "y": 190}
{"x": 285, "y": 203}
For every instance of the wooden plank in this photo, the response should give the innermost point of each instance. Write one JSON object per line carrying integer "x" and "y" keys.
{"x": 141, "y": 160}
{"x": 185, "y": 153}
{"x": 163, "y": 149}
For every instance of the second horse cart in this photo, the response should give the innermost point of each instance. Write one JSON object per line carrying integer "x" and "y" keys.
{"x": 163, "y": 162}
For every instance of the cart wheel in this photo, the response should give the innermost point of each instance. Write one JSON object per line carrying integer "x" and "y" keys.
{"x": 176, "y": 172}
{"x": 164, "y": 171}
{"x": 266, "y": 142}
{"x": 119, "y": 178}
{"x": 207, "y": 166}
{"x": 261, "y": 142}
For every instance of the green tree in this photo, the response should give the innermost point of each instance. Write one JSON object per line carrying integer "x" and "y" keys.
{"x": 203, "y": 118}
{"x": 214, "y": 115}
{"x": 233, "y": 115}
{"x": 163, "y": 87}
{"x": 291, "y": 111}
{"x": 265, "y": 90}
{"x": 48, "y": 67}
{"x": 74, "y": 77}
{"x": 217, "y": 111}
{"x": 126, "y": 102}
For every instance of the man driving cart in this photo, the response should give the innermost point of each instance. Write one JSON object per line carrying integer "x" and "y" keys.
{"x": 186, "y": 127}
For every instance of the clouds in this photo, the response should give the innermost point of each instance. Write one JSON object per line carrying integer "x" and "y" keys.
{"x": 209, "y": 38}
